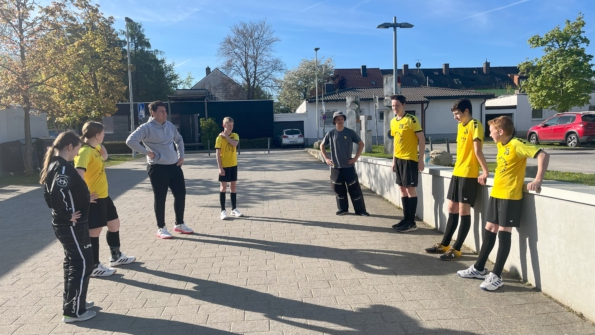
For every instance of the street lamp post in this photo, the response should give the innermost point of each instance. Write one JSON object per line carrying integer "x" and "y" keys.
{"x": 395, "y": 25}
{"x": 316, "y": 75}
{"x": 129, "y": 20}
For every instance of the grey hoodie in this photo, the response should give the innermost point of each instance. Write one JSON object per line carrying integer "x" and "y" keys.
{"x": 159, "y": 139}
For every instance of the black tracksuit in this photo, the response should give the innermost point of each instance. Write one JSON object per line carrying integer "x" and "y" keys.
{"x": 65, "y": 192}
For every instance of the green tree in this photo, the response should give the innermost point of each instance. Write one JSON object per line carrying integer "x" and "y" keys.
{"x": 188, "y": 82}
{"x": 561, "y": 78}
{"x": 248, "y": 53}
{"x": 153, "y": 78}
{"x": 209, "y": 130}
{"x": 301, "y": 81}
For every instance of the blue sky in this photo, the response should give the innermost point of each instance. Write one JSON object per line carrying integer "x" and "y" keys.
{"x": 463, "y": 33}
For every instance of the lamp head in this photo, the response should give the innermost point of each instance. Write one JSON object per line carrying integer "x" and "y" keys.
{"x": 316, "y": 49}
{"x": 385, "y": 25}
{"x": 404, "y": 25}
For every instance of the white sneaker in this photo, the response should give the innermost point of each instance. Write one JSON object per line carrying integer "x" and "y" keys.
{"x": 163, "y": 233}
{"x": 123, "y": 260}
{"x": 183, "y": 229}
{"x": 491, "y": 283}
{"x": 223, "y": 215}
{"x": 84, "y": 317}
{"x": 472, "y": 272}
{"x": 236, "y": 213}
{"x": 102, "y": 271}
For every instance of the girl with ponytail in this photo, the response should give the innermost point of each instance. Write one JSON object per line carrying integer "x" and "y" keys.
{"x": 90, "y": 165}
{"x": 66, "y": 193}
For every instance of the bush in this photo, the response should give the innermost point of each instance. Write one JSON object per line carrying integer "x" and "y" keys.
{"x": 117, "y": 147}
{"x": 209, "y": 130}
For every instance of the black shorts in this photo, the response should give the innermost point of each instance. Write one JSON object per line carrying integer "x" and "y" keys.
{"x": 462, "y": 190}
{"x": 504, "y": 212}
{"x": 102, "y": 211}
{"x": 407, "y": 172}
{"x": 231, "y": 174}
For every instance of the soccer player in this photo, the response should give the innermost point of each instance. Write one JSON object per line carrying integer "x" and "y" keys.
{"x": 409, "y": 146}
{"x": 504, "y": 207}
{"x": 462, "y": 191}
{"x": 227, "y": 160}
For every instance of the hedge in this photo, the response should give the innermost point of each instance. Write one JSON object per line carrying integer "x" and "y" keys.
{"x": 257, "y": 143}
{"x": 120, "y": 147}
{"x": 117, "y": 147}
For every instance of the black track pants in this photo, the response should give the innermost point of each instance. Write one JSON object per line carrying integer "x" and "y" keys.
{"x": 78, "y": 265}
{"x": 164, "y": 177}
{"x": 344, "y": 180}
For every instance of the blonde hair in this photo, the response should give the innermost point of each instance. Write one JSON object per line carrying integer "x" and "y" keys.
{"x": 63, "y": 140}
{"x": 503, "y": 122}
{"x": 227, "y": 119}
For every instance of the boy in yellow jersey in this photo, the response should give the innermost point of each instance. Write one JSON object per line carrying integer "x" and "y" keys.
{"x": 462, "y": 191}
{"x": 227, "y": 161}
{"x": 504, "y": 207}
{"x": 408, "y": 136}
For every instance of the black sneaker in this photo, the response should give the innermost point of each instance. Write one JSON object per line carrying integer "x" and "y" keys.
{"x": 342, "y": 212}
{"x": 399, "y": 224}
{"x": 363, "y": 213}
{"x": 410, "y": 226}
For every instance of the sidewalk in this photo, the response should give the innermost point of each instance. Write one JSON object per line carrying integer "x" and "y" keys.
{"x": 291, "y": 266}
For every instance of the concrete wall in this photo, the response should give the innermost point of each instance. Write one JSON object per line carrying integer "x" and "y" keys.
{"x": 12, "y": 125}
{"x": 551, "y": 248}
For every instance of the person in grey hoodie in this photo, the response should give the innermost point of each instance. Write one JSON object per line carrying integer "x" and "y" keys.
{"x": 164, "y": 165}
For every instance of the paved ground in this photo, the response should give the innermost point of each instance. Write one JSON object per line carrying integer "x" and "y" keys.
{"x": 290, "y": 267}
{"x": 566, "y": 160}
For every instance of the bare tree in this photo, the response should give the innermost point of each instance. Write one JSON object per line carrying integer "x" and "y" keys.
{"x": 247, "y": 52}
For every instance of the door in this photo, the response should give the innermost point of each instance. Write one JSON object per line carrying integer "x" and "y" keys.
{"x": 546, "y": 132}
{"x": 560, "y": 129}
{"x": 490, "y": 117}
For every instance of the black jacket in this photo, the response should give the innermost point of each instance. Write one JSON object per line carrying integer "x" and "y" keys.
{"x": 66, "y": 192}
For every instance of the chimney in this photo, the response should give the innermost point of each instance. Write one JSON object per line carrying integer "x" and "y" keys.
{"x": 208, "y": 70}
{"x": 445, "y": 70}
{"x": 486, "y": 67}
{"x": 405, "y": 69}
{"x": 364, "y": 71}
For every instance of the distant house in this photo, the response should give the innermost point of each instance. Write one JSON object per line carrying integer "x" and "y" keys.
{"x": 220, "y": 86}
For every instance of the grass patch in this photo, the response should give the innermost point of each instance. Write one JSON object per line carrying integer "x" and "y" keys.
{"x": 569, "y": 177}
{"x": 551, "y": 146}
{"x": 378, "y": 152}
{"x": 119, "y": 159}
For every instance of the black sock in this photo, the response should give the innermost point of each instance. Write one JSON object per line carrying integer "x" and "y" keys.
{"x": 503, "y": 251}
{"x": 489, "y": 240}
{"x": 95, "y": 249}
{"x": 405, "y": 202}
{"x": 233, "y": 201}
{"x": 451, "y": 226}
{"x": 113, "y": 240}
{"x": 412, "y": 209}
{"x": 222, "y": 200}
{"x": 463, "y": 231}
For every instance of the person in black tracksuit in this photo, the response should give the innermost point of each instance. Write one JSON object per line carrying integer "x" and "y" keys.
{"x": 66, "y": 193}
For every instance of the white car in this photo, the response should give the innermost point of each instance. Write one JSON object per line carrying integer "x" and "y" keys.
{"x": 291, "y": 137}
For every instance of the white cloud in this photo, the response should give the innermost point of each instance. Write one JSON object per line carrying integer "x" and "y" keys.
{"x": 492, "y": 10}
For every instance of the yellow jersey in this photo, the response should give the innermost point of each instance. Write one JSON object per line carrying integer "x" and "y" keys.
{"x": 510, "y": 172}
{"x": 467, "y": 165}
{"x": 90, "y": 160}
{"x": 405, "y": 137}
{"x": 229, "y": 157}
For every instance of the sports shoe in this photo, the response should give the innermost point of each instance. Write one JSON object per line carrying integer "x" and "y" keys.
{"x": 122, "y": 260}
{"x": 451, "y": 254}
{"x": 83, "y": 317}
{"x": 223, "y": 215}
{"x": 102, "y": 271}
{"x": 472, "y": 272}
{"x": 399, "y": 224}
{"x": 362, "y": 213}
{"x": 182, "y": 228}
{"x": 491, "y": 283}
{"x": 409, "y": 227}
{"x": 342, "y": 212}
{"x": 89, "y": 304}
{"x": 236, "y": 213}
{"x": 163, "y": 233}
{"x": 437, "y": 249}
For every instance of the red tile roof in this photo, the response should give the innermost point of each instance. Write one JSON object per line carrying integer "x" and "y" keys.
{"x": 354, "y": 79}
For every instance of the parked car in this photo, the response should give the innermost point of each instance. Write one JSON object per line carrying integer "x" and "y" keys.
{"x": 572, "y": 128}
{"x": 291, "y": 137}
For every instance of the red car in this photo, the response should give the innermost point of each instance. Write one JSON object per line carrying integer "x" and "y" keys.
{"x": 572, "y": 128}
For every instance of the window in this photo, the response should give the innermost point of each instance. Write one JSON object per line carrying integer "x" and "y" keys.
{"x": 292, "y": 132}
{"x": 498, "y": 79}
{"x": 373, "y": 82}
{"x": 458, "y": 82}
{"x": 431, "y": 81}
{"x": 566, "y": 119}
{"x": 551, "y": 121}
{"x": 436, "y": 73}
{"x": 329, "y": 118}
{"x": 591, "y": 108}
{"x": 108, "y": 124}
{"x": 415, "y": 82}
{"x": 589, "y": 118}
{"x": 410, "y": 112}
{"x": 537, "y": 113}
{"x": 381, "y": 115}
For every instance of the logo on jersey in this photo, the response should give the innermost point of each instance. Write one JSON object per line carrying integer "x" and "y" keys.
{"x": 62, "y": 180}
{"x": 345, "y": 137}
{"x": 507, "y": 151}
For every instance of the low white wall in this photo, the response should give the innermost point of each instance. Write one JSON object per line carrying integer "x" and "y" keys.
{"x": 553, "y": 247}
